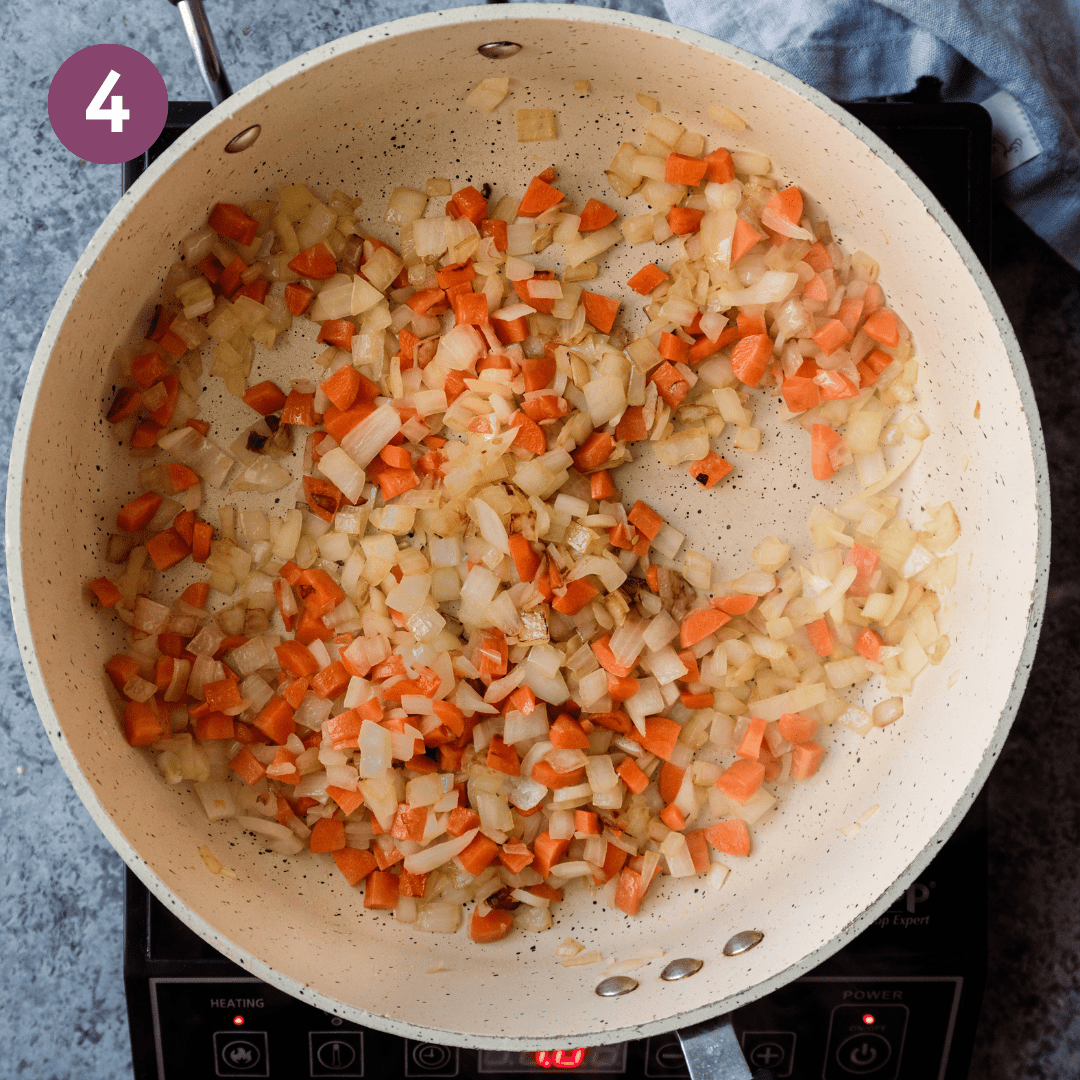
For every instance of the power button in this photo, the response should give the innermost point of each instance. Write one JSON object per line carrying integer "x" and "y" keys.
{"x": 864, "y": 1054}
{"x": 866, "y": 1040}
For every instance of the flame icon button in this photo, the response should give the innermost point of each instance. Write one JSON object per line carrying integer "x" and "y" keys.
{"x": 246, "y": 1056}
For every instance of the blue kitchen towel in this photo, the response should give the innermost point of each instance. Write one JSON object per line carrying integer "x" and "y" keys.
{"x": 1021, "y": 58}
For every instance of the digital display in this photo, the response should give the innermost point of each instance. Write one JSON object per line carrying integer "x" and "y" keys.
{"x": 561, "y": 1059}
{"x": 595, "y": 1059}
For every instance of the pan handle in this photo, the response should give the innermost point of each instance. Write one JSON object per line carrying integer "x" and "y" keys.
{"x": 202, "y": 44}
{"x": 712, "y": 1052}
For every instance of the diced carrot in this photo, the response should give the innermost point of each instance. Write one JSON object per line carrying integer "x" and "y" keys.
{"x": 709, "y": 470}
{"x": 805, "y": 759}
{"x": 705, "y": 347}
{"x": 381, "y": 891}
{"x": 325, "y": 593}
{"x": 750, "y": 324}
{"x": 148, "y": 368}
{"x": 223, "y": 694}
{"x": 787, "y": 204}
{"x": 670, "y": 383}
{"x": 614, "y": 860}
{"x": 257, "y": 290}
{"x": 530, "y": 435}
{"x": 673, "y": 818}
{"x": 661, "y": 735}
{"x": 476, "y": 858}
{"x": 615, "y": 720}
{"x": 620, "y": 689}
{"x": 471, "y": 203}
{"x": 669, "y": 780}
{"x": 652, "y": 578}
{"x": 732, "y": 837}
{"x": 699, "y": 624}
{"x": 646, "y": 520}
{"x": 699, "y": 850}
{"x": 315, "y": 262}
{"x": 751, "y": 357}
{"x": 409, "y": 822}
{"x": 387, "y": 857}
{"x": 211, "y": 268}
{"x": 800, "y": 394}
{"x": 515, "y": 856}
{"x": 601, "y": 486}
{"x": 796, "y": 728}
{"x": 866, "y": 560}
{"x": 647, "y": 278}
{"x": 342, "y": 387}
{"x": 630, "y": 891}
{"x": 832, "y": 336}
{"x": 214, "y": 725}
{"x": 332, "y": 681}
{"x": 595, "y": 215}
{"x": 106, "y": 593}
{"x": 601, "y": 648}
{"x": 138, "y": 513}
{"x": 145, "y": 435}
{"x": 121, "y": 669}
{"x": 567, "y": 734}
{"x": 201, "y": 534}
{"x": 600, "y": 310}
{"x": 184, "y": 524}
{"x": 461, "y": 821}
{"x": 821, "y": 637}
{"x": 740, "y": 780}
{"x": 354, "y": 863}
{"x": 470, "y": 308}
{"x": 229, "y": 220}
{"x": 743, "y": 240}
{"x": 546, "y": 774}
{"x": 681, "y": 169}
{"x": 413, "y": 884}
{"x": 503, "y": 758}
{"x": 721, "y": 167}
{"x": 299, "y": 409}
{"x": 545, "y": 407}
{"x": 816, "y": 289}
{"x": 539, "y": 196}
{"x": 578, "y": 594}
{"x": 823, "y": 439}
{"x": 495, "y": 925}
{"x": 673, "y": 348}
{"x": 275, "y": 720}
{"x": 750, "y": 746}
{"x": 145, "y": 722}
{"x": 247, "y": 766}
{"x": 585, "y": 821}
{"x": 818, "y": 258}
{"x": 883, "y": 327}
{"x": 197, "y": 594}
{"x": 298, "y": 297}
{"x": 594, "y": 451}
{"x": 349, "y": 801}
{"x": 526, "y": 561}
{"x": 492, "y": 656}
{"x": 631, "y": 427}
{"x": 547, "y": 852}
{"x": 632, "y": 776}
{"x": 167, "y": 549}
{"x": 338, "y": 424}
{"x": 683, "y": 220}
{"x": 539, "y": 371}
{"x": 869, "y": 645}
{"x": 497, "y": 229}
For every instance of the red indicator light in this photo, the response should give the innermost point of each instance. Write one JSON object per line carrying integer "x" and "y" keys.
{"x": 238, "y": 1021}
{"x": 868, "y": 1018}
{"x": 561, "y": 1059}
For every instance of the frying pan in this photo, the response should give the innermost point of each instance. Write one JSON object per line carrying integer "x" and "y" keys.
{"x": 384, "y": 107}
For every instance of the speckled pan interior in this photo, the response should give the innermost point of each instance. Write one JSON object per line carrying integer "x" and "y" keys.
{"x": 383, "y": 108}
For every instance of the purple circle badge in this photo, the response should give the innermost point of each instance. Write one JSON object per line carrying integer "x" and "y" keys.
{"x": 108, "y": 103}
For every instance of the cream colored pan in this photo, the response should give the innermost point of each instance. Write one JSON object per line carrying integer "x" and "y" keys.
{"x": 382, "y": 108}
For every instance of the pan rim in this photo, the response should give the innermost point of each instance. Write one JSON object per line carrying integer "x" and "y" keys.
{"x": 221, "y": 116}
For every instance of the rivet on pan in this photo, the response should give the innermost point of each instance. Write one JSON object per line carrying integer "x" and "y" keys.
{"x": 681, "y": 969}
{"x": 245, "y": 139}
{"x": 616, "y": 986}
{"x": 498, "y": 50}
{"x": 743, "y": 942}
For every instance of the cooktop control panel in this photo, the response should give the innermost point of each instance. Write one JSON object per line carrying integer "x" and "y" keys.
{"x": 835, "y": 1028}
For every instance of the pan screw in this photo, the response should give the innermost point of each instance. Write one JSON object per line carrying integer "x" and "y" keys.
{"x": 616, "y": 986}
{"x": 681, "y": 969}
{"x": 245, "y": 139}
{"x": 498, "y": 50}
{"x": 743, "y": 942}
